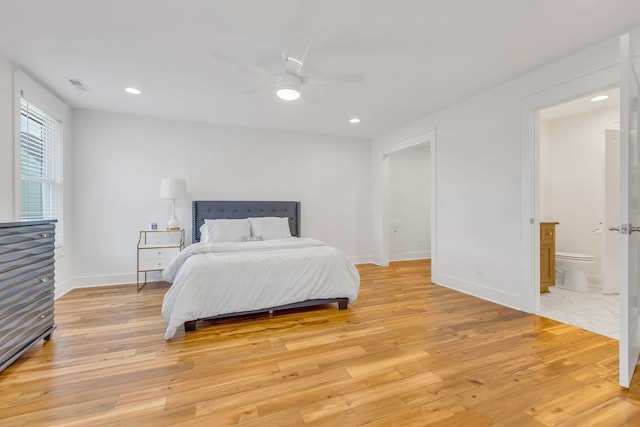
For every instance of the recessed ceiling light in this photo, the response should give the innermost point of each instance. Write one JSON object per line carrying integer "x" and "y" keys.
{"x": 133, "y": 91}
{"x": 599, "y": 98}
{"x": 354, "y": 120}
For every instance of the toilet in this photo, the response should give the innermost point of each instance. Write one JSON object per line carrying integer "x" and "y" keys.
{"x": 574, "y": 268}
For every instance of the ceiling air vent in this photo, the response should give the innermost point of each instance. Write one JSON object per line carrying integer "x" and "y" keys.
{"x": 78, "y": 84}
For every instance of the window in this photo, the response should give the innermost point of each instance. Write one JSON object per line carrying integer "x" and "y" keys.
{"x": 40, "y": 166}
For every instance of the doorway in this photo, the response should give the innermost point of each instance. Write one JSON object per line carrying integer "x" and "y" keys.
{"x": 382, "y": 214}
{"x": 578, "y": 163}
{"x": 625, "y": 75}
{"x": 410, "y": 203}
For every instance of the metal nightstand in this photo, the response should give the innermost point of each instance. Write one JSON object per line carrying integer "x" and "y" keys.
{"x": 156, "y": 249}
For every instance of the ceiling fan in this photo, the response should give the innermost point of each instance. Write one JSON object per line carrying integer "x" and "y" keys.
{"x": 289, "y": 81}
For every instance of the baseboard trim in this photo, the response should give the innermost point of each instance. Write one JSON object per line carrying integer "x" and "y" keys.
{"x": 65, "y": 287}
{"x": 477, "y": 290}
{"x": 62, "y": 288}
{"x": 94, "y": 282}
{"x": 412, "y": 256}
{"x": 363, "y": 259}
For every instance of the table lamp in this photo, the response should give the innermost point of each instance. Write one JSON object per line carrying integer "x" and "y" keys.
{"x": 172, "y": 189}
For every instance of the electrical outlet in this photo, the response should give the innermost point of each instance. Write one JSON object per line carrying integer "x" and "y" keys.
{"x": 478, "y": 268}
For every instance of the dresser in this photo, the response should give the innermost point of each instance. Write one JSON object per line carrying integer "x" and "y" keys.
{"x": 26, "y": 286}
{"x": 547, "y": 255}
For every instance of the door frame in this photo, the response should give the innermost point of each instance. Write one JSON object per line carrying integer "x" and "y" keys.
{"x": 585, "y": 84}
{"x": 424, "y": 138}
{"x": 629, "y": 212}
{"x": 610, "y": 241}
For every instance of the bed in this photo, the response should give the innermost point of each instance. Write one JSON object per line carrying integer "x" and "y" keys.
{"x": 231, "y": 270}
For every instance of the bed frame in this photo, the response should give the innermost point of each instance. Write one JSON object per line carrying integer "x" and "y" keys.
{"x": 244, "y": 209}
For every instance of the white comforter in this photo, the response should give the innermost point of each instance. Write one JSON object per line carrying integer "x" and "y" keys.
{"x": 209, "y": 279}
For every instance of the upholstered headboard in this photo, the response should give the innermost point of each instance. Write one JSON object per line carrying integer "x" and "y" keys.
{"x": 243, "y": 209}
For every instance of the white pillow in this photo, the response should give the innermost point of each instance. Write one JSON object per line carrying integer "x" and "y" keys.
{"x": 226, "y": 230}
{"x": 270, "y": 227}
{"x": 204, "y": 233}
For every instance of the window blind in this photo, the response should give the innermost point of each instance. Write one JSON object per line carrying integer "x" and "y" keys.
{"x": 40, "y": 166}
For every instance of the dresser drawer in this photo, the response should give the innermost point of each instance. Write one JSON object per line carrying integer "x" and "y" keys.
{"x": 24, "y": 235}
{"x": 155, "y": 258}
{"x": 20, "y": 328}
{"x": 22, "y": 286}
{"x": 23, "y": 246}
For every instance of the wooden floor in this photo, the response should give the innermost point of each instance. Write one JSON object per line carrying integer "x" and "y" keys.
{"x": 406, "y": 353}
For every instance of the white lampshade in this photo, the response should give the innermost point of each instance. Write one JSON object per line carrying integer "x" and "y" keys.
{"x": 172, "y": 188}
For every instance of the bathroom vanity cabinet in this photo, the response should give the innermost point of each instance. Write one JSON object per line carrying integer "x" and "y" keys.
{"x": 547, "y": 255}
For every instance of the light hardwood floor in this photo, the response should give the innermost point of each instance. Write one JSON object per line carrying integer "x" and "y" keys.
{"x": 408, "y": 352}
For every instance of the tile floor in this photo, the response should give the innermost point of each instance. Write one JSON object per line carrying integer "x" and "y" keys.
{"x": 591, "y": 311}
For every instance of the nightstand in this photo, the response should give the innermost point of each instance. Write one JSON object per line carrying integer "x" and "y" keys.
{"x": 156, "y": 249}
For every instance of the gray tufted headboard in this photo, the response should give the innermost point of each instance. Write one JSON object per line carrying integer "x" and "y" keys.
{"x": 243, "y": 209}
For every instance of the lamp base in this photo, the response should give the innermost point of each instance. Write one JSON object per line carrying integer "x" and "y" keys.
{"x": 173, "y": 228}
{"x": 173, "y": 223}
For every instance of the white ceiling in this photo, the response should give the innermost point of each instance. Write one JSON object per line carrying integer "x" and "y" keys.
{"x": 582, "y": 105}
{"x": 417, "y": 57}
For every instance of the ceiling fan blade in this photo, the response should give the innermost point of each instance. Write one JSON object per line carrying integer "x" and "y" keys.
{"x": 255, "y": 90}
{"x": 296, "y": 54}
{"x": 233, "y": 61}
{"x": 345, "y": 78}
{"x": 309, "y": 97}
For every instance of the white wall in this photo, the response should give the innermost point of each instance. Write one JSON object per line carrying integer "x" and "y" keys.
{"x": 119, "y": 161}
{"x": 410, "y": 203}
{"x": 576, "y": 146}
{"x": 6, "y": 140}
{"x": 8, "y": 178}
{"x": 483, "y": 199}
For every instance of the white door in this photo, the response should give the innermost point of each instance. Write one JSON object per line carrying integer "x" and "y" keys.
{"x": 611, "y": 247}
{"x": 629, "y": 216}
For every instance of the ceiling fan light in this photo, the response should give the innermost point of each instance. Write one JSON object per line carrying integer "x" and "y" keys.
{"x": 288, "y": 94}
{"x": 288, "y": 87}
